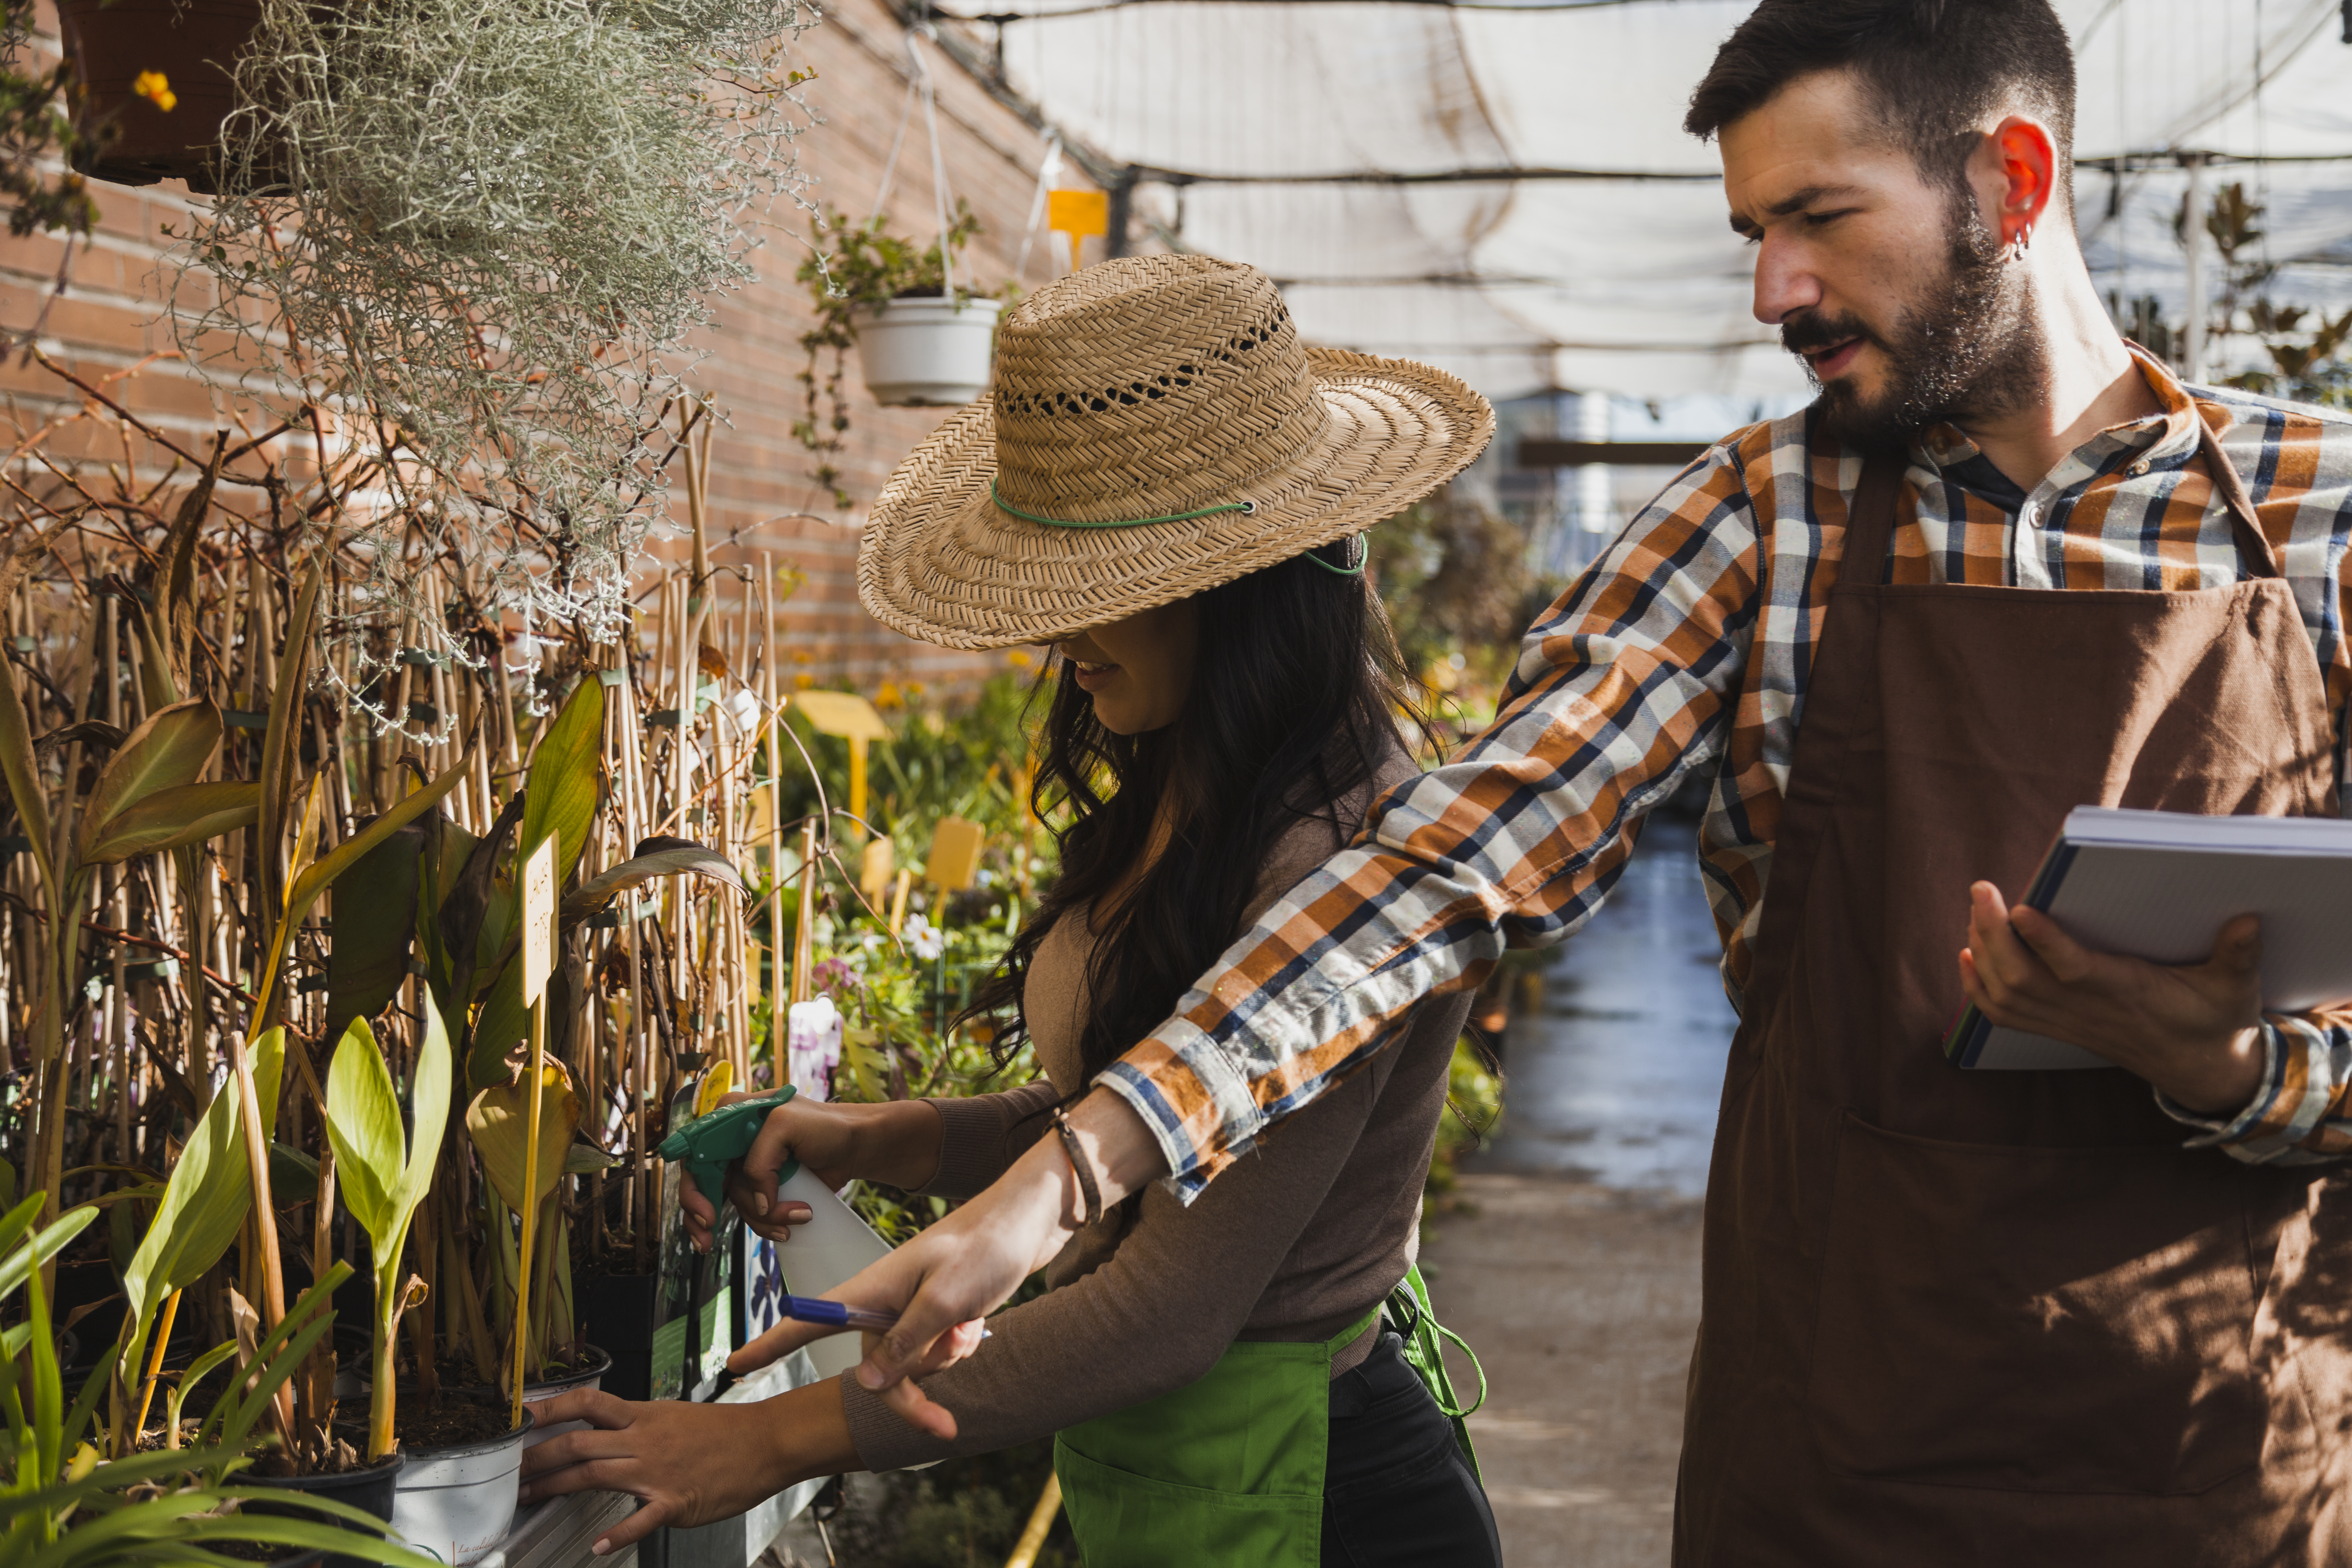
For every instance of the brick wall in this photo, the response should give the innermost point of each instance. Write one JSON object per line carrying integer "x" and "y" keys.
{"x": 763, "y": 495}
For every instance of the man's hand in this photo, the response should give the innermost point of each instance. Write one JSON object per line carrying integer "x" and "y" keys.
{"x": 690, "y": 1464}
{"x": 2193, "y": 1030}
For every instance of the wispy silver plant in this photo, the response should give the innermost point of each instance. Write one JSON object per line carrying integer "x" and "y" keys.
{"x": 473, "y": 236}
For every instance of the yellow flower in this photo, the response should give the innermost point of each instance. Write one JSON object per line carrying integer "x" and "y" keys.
{"x": 156, "y": 88}
{"x": 888, "y": 696}
{"x": 1019, "y": 658}
{"x": 803, "y": 681}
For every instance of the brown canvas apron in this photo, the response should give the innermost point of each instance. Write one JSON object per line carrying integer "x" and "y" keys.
{"x": 2003, "y": 1317}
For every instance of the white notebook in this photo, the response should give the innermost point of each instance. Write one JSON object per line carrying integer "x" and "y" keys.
{"x": 2160, "y": 885}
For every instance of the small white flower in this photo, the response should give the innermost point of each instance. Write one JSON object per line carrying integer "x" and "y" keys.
{"x": 926, "y": 940}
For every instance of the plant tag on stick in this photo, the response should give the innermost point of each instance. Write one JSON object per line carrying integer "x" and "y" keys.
{"x": 537, "y": 920}
{"x": 956, "y": 845}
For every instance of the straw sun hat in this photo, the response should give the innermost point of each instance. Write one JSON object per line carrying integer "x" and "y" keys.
{"x": 1156, "y": 429}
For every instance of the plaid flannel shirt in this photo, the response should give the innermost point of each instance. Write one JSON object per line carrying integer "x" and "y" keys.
{"x": 1686, "y": 646}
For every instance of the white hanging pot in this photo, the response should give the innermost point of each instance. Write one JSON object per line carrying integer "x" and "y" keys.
{"x": 927, "y": 354}
{"x": 459, "y": 1502}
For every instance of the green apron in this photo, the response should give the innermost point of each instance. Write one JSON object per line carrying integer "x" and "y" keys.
{"x": 1229, "y": 1469}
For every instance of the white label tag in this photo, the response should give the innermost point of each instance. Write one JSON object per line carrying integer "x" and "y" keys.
{"x": 537, "y": 955}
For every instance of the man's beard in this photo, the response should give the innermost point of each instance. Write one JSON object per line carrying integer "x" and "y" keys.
{"x": 1969, "y": 349}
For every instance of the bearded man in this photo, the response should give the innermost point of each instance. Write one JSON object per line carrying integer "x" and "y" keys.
{"x": 2005, "y": 566}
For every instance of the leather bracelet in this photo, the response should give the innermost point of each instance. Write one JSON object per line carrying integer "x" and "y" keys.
{"x": 1090, "y": 1204}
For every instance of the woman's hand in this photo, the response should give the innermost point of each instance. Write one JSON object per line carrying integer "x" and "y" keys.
{"x": 898, "y": 1143}
{"x": 690, "y": 1464}
{"x": 958, "y": 1271}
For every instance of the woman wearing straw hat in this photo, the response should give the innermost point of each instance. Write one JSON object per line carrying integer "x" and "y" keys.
{"x": 1169, "y": 488}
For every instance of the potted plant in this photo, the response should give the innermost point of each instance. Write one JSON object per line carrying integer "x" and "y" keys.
{"x": 923, "y": 340}
{"x": 480, "y": 231}
{"x": 70, "y": 1511}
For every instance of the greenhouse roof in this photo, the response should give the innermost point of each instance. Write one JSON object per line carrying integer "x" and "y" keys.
{"x": 1506, "y": 190}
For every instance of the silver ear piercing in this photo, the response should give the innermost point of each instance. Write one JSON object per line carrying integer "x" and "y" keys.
{"x": 2016, "y": 246}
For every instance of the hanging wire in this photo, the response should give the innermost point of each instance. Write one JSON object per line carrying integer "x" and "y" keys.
{"x": 1049, "y": 169}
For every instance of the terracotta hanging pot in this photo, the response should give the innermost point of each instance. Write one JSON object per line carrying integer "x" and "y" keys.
{"x": 194, "y": 44}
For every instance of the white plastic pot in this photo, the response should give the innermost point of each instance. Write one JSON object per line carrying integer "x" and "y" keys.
{"x": 459, "y": 1503}
{"x": 927, "y": 354}
{"x": 590, "y": 1376}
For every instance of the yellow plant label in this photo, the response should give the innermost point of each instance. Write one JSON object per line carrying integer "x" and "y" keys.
{"x": 876, "y": 865}
{"x": 537, "y": 955}
{"x": 843, "y": 713}
{"x": 715, "y": 1086}
{"x": 955, "y": 853}
{"x": 1078, "y": 212}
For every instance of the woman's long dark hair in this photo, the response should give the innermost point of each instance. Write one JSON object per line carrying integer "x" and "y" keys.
{"x": 1293, "y": 707}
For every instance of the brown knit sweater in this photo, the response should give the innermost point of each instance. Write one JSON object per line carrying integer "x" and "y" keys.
{"x": 1295, "y": 1242}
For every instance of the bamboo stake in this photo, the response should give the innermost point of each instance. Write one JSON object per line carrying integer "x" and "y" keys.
{"x": 1049, "y": 1501}
{"x": 804, "y": 926}
{"x": 155, "y": 1367}
{"x": 530, "y": 1220}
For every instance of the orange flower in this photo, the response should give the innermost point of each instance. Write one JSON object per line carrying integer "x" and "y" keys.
{"x": 156, "y": 88}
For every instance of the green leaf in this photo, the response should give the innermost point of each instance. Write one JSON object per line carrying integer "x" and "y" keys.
{"x": 277, "y": 747}
{"x": 293, "y": 1176}
{"x": 581, "y": 1160}
{"x": 171, "y": 817}
{"x": 18, "y": 1265}
{"x": 566, "y": 781}
{"x": 363, "y": 1122}
{"x": 203, "y": 1203}
{"x": 499, "y": 1120}
{"x": 498, "y": 1024}
{"x": 428, "y": 1107}
{"x": 168, "y": 752}
{"x": 24, "y": 776}
{"x": 682, "y": 860}
{"x": 323, "y": 871}
{"x": 383, "y": 1174}
{"x": 376, "y": 919}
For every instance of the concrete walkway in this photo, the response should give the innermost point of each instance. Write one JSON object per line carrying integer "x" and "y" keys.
{"x": 1582, "y": 1303}
{"x": 1573, "y": 1266}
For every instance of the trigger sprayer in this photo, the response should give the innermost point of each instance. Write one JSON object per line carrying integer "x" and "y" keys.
{"x": 834, "y": 1244}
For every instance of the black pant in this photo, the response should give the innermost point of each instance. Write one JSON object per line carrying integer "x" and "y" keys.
{"x": 1395, "y": 1485}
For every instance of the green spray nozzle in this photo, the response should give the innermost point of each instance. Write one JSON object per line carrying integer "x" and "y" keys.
{"x": 709, "y": 1144}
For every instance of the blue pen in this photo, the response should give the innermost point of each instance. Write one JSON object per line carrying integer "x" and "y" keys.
{"x": 834, "y": 1315}
{"x": 817, "y": 1309}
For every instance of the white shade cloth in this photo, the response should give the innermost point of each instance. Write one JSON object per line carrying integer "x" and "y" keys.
{"x": 1626, "y": 278}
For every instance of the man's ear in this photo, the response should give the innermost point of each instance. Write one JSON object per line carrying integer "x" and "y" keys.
{"x": 2027, "y": 158}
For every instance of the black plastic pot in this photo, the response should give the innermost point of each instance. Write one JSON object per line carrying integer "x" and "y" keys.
{"x": 618, "y": 1311}
{"x": 370, "y": 1490}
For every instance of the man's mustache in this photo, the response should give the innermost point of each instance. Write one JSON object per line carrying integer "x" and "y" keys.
{"x": 1811, "y": 334}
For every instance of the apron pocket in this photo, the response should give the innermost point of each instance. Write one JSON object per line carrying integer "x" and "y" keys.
{"x": 1122, "y": 1519}
{"x": 2036, "y": 1320}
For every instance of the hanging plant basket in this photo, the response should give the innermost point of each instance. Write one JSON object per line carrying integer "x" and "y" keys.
{"x": 927, "y": 353}
{"x": 194, "y": 45}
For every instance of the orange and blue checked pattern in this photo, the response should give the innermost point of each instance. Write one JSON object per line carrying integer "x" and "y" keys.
{"x": 1686, "y": 648}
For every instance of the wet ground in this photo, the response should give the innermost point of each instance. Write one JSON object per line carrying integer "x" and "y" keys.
{"x": 1572, "y": 1265}
{"x": 1615, "y": 1081}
